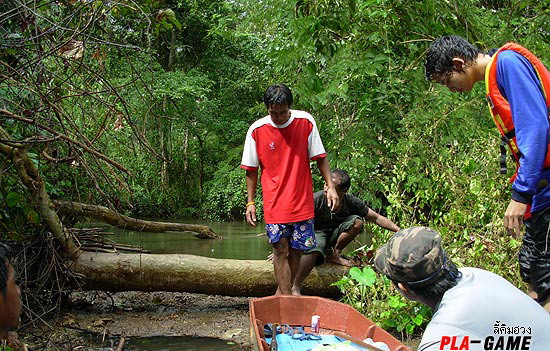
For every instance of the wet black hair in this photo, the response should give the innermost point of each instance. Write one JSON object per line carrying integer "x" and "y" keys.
{"x": 5, "y": 255}
{"x": 344, "y": 180}
{"x": 277, "y": 94}
{"x": 439, "y": 58}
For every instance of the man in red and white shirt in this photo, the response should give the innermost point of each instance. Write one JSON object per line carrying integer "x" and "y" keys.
{"x": 282, "y": 144}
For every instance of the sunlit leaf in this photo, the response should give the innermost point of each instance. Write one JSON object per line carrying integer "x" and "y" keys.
{"x": 32, "y": 216}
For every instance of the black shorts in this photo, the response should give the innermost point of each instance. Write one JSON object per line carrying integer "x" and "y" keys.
{"x": 327, "y": 238}
{"x": 534, "y": 255}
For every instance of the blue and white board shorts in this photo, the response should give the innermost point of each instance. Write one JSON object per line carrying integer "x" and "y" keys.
{"x": 301, "y": 234}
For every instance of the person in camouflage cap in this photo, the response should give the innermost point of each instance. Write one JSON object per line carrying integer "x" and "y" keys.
{"x": 413, "y": 256}
{"x": 466, "y": 302}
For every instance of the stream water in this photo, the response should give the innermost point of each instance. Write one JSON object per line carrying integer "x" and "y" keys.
{"x": 179, "y": 343}
{"x": 239, "y": 241}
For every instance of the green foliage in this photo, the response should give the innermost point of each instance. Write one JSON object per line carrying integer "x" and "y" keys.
{"x": 169, "y": 89}
{"x": 373, "y": 296}
{"x": 225, "y": 196}
{"x": 167, "y": 19}
{"x": 17, "y": 213}
{"x": 403, "y": 317}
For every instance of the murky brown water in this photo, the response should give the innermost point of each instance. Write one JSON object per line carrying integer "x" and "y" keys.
{"x": 239, "y": 241}
{"x": 179, "y": 343}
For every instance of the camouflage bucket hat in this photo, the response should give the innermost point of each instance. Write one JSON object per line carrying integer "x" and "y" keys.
{"x": 413, "y": 256}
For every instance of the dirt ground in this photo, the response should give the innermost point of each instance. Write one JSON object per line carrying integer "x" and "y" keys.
{"x": 94, "y": 321}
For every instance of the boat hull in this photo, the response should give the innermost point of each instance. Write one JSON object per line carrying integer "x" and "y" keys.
{"x": 297, "y": 311}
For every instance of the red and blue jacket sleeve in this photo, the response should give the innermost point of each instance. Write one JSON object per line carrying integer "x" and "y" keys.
{"x": 519, "y": 84}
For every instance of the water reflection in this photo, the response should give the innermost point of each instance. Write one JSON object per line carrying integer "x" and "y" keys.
{"x": 239, "y": 241}
{"x": 179, "y": 343}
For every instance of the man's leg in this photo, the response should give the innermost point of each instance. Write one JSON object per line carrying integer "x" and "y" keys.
{"x": 524, "y": 258}
{"x": 343, "y": 240}
{"x": 309, "y": 259}
{"x": 294, "y": 258}
{"x": 541, "y": 278}
{"x": 281, "y": 266}
{"x": 307, "y": 262}
{"x": 536, "y": 252}
{"x": 303, "y": 239}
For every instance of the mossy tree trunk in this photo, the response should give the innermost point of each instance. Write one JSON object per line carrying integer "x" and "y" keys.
{"x": 30, "y": 177}
{"x": 197, "y": 274}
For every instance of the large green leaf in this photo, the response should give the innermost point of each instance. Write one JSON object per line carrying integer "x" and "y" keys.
{"x": 12, "y": 199}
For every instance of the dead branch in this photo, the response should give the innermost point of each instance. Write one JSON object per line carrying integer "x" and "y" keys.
{"x": 121, "y": 342}
{"x": 94, "y": 238}
{"x": 64, "y": 137}
{"x": 112, "y": 217}
{"x": 57, "y": 160}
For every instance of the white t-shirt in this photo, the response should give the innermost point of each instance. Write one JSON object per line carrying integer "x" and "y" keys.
{"x": 473, "y": 308}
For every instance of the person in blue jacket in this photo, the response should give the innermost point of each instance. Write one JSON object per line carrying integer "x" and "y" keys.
{"x": 518, "y": 92}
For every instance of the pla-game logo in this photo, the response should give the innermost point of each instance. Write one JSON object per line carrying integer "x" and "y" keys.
{"x": 505, "y": 339}
{"x": 490, "y": 343}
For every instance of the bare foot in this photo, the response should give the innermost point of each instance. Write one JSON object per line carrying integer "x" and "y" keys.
{"x": 15, "y": 342}
{"x": 340, "y": 260}
{"x": 296, "y": 291}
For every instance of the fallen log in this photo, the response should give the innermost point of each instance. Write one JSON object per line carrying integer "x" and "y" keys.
{"x": 105, "y": 214}
{"x": 197, "y": 274}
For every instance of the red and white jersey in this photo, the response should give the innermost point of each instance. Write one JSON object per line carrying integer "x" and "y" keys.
{"x": 283, "y": 153}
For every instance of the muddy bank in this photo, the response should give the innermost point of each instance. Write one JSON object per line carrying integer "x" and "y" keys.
{"x": 95, "y": 320}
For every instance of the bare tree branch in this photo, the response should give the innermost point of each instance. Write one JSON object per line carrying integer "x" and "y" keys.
{"x": 64, "y": 137}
